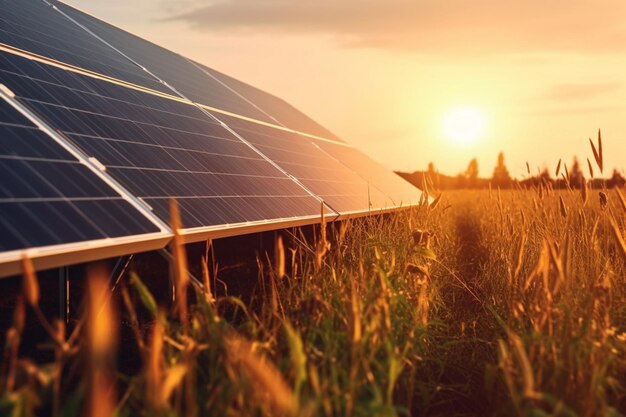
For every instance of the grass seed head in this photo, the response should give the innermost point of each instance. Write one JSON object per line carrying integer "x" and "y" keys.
{"x": 265, "y": 377}
{"x": 621, "y": 199}
{"x": 181, "y": 271}
{"x": 31, "y": 284}
{"x": 19, "y": 314}
{"x": 279, "y": 257}
{"x": 597, "y": 152}
{"x": 604, "y": 199}
{"x": 102, "y": 318}
{"x": 154, "y": 364}
{"x": 562, "y": 207}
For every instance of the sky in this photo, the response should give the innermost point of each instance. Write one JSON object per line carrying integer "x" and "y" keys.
{"x": 386, "y": 75}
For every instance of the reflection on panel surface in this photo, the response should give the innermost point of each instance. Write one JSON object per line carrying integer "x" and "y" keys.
{"x": 170, "y": 67}
{"x": 297, "y": 155}
{"x": 279, "y": 109}
{"x": 48, "y": 197}
{"x": 33, "y": 26}
{"x": 159, "y": 148}
{"x": 401, "y": 192}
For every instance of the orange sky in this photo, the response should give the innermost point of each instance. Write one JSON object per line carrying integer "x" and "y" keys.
{"x": 383, "y": 75}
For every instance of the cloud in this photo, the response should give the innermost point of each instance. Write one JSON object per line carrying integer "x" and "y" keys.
{"x": 578, "y": 92}
{"x": 574, "y": 110}
{"x": 470, "y": 26}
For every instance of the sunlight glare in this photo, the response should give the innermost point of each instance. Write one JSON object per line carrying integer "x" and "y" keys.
{"x": 464, "y": 125}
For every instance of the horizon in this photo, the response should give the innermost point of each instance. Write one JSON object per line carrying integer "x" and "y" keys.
{"x": 543, "y": 83}
{"x": 534, "y": 171}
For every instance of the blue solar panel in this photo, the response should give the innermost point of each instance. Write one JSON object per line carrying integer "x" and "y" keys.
{"x": 160, "y": 148}
{"x": 38, "y": 28}
{"x": 48, "y": 197}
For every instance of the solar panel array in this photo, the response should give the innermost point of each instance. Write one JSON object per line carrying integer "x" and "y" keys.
{"x": 159, "y": 148}
{"x": 123, "y": 126}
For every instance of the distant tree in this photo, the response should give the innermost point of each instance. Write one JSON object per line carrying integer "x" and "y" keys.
{"x": 501, "y": 177}
{"x": 472, "y": 173}
{"x": 545, "y": 176}
{"x": 616, "y": 180}
{"x": 460, "y": 181}
{"x": 576, "y": 176}
{"x": 541, "y": 179}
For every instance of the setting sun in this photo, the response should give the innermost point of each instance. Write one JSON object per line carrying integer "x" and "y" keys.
{"x": 464, "y": 125}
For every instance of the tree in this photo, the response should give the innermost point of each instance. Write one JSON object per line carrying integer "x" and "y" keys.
{"x": 616, "y": 180}
{"x": 545, "y": 177}
{"x": 460, "y": 181}
{"x": 501, "y": 177}
{"x": 576, "y": 176}
{"x": 472, "y": 173}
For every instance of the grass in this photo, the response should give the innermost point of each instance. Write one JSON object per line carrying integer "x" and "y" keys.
{"x": 485, "y": 303}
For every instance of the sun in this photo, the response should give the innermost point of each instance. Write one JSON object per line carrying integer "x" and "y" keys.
{"x": 464, "y": 125}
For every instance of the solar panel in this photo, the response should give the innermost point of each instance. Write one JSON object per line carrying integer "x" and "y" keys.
{"x": 400, "y": 191}
{"x": 338, "y": 186}
{"x": 160, "y": 148}
{"x": 111, "y": 135}
{"x": 175, "y": 70}
{"x": 49, "y": 200}
{"x": 38, "y": 28}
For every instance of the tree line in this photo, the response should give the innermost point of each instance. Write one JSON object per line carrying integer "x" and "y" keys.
{"x": 564, "y": 177}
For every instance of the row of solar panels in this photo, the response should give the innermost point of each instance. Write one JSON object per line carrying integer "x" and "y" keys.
{"x": 99, "y": 129}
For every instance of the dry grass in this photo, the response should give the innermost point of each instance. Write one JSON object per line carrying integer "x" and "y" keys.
{"x": 485, "y": 303}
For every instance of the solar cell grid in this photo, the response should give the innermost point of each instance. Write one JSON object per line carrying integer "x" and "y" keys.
{"x": 159, "y": 148}
{"x": 36, "y": 27}
{"x": 48, "y": 197}
{"x": 337, "y": 185}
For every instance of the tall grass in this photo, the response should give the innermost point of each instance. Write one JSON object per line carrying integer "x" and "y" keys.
{"x": 483, "y": 303}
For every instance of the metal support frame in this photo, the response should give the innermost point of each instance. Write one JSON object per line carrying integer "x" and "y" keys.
{"x": 167, "y": 255}
{"x": 117, "y": 274}
{"x": 119, "y": 270}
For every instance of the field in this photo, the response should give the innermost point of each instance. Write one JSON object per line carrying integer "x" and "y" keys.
{"x": 481, "y": 303}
